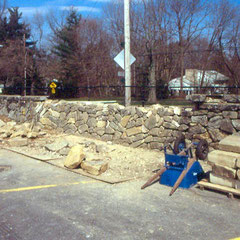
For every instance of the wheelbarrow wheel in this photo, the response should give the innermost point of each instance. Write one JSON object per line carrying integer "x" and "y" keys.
{"x": 179, "y": 144}
{"x": 202, "y": 149}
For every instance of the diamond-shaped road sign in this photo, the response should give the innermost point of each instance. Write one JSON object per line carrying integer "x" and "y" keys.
{"x": 119, "y": 59}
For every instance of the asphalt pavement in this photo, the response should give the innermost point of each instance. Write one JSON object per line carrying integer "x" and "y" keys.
{"x": 39, "y": 201}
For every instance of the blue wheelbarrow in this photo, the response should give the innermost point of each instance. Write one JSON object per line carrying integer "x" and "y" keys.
{"x": 181, "y": 169}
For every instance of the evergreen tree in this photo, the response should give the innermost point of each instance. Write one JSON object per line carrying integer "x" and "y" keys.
{"x": 15, "y": 54}
{"x": 11, "y": 28}
{"x": 67, "y": 49}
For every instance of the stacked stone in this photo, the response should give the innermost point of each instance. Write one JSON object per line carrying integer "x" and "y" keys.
{"x": 226, "y": 162}
{"x": 21, "y": 109}
{"x": 152, "y": 127}
{"x": 215, "y": 121}
{"x": 137, "y": 127}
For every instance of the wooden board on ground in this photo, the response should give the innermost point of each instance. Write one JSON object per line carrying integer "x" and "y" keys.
{"x": 36, "y": 157}
{"x": 102, "y": 177}
{"x": 228, "y": 190}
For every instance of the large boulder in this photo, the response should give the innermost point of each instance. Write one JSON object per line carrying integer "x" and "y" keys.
{"x": 74, "y": 157}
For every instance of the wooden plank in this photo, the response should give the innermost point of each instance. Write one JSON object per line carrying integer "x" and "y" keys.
{"x": 219, "y": 188}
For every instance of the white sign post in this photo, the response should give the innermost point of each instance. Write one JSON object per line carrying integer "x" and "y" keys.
{"x": 119, "y": 59}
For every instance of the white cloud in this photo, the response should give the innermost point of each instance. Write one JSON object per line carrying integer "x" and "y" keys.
{"x": 101, "y": 1}
{"x": 27, "y": 11}
{"x": 81, "y": 8}
{"x": 30, "y": 11}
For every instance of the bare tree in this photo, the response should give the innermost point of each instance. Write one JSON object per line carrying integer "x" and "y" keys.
{"x": 222, "y": 15}
{"x": 188, "y": 18}
{"x": 150, "y": 33}
{"x": 3, "y": 5}
{"x": 37, "y": 25}
{"x": 151, "y": 28}
{"x": 228, "y": 40}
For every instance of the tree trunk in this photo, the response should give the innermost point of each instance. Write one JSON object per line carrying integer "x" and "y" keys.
{"x": 182, "y": 71}
{"x": 152, "y": 97}
{"x": 32, "y": 88}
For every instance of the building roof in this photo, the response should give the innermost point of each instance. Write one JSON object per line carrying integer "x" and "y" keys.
{"x": 193, "y": 78}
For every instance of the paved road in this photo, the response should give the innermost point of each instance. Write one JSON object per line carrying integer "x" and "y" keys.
{"x": 39, "y": 201}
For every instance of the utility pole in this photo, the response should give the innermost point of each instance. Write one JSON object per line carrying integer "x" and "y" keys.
{"x": 25, "y": 67}
{"x": 127, "y": 66}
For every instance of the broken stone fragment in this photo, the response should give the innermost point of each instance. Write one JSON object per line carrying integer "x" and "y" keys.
{"x": 74, "y": 157}
{"x": 2, "y": 123}
{"x": 91, "y": 146}
{"x": 94, "y": 167}
{"x": 19, "y": 133}
{"x": 36, "y": 128}
{"x": 57, "y": 145}
{"x": 64, "y": 151}
{"x": 11, "y": 124}
{"x": 18, "y": 142}
{"x": 32, "y": 135}
{"x": 102, "y": 149}
{"x": 238, "y": 175}
{"x": 6, "y": 135}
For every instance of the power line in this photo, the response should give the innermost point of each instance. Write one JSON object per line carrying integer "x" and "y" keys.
{"x": 94, "y": 5}
{"x": 190, "y": 51}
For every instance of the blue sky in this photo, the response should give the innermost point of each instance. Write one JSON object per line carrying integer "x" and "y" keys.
{"x": 85, "y": 7}
{"x": 29, "y": 8}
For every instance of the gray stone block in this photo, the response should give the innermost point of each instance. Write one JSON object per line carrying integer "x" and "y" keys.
{"x": 222, "y": 158}
{"x": 224, "y": 171}
{"x": 238, "y": 175}
{"x": 230, "y": 144}
{"x": 222, "y": 181}
{"x": 226, "y": 126}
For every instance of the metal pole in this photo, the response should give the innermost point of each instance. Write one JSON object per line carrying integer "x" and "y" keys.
{"x": 127, "y": 66}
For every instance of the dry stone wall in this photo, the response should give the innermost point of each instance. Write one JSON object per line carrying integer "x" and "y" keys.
{"x": 151, "y": 127}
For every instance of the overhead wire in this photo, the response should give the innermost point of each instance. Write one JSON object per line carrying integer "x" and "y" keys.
{"x": 91, "y": 11}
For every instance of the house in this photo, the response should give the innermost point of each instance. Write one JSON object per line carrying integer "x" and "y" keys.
{"x": 212, "y": 81}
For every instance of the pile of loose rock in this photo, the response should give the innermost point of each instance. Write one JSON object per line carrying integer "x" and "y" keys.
{"x": 95, "y": 157}
{"x": 19, "y": 135}
{"x": 24, "y": 135}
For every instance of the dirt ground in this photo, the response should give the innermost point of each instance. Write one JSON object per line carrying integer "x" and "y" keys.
{"x": 124, "y": 163}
